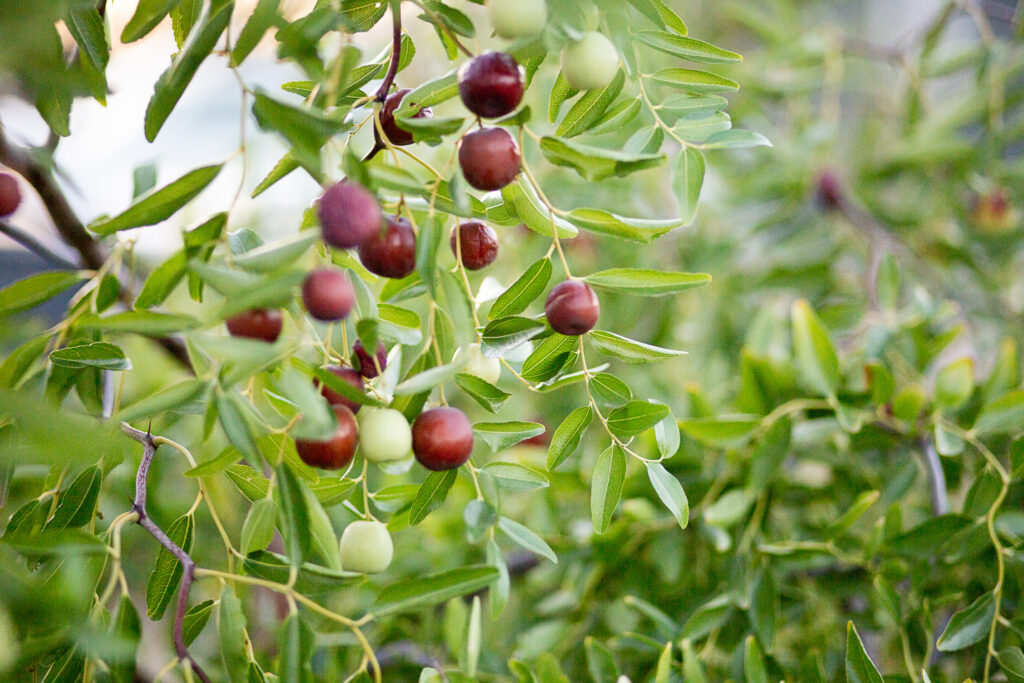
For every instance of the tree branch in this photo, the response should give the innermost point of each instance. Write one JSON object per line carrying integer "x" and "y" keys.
{"x": 35, "y": 246}
{"x": 187, "y": 563}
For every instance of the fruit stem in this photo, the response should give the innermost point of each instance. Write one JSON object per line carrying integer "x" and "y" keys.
{"x": 396, "y": 51}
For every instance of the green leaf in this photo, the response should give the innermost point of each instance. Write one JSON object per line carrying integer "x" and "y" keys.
{"x": 815, "y": 355}
{"x": 159, "y": 205}
{"x": 1011, "y": 660}
{"x": 856, "y": 511}
{"x": 166, "y": 575}
{"x": 306, "y": 130}
{"x": 490, "y": 397}
{"x": 523, "y": 291}
{"x": 172, "y": 83}
{"x": 21, "y": 360}
{"x": 34, "y": 290}
{"x": 428, "y": 379}
{"x": 432, "y": 493}
{"x": 629, "y": 350}
{"x": 606, "y": 486}
{"x": 859, "y": 667}
{"x": 148, "y": 14}
{"x": 502, "y": 435}
{"x": 560, "y": 92}
{"x": 595, "y": 163}
{"x": 635, "y": 229}
{"x": 1002, "y": 415}
{"x": 183, "y": 18}
{"x": 295, "y": 649}
{"x": 128, "y": 630}
{"x": 515, "y": 477}
{"x": 260, "y": 523}
{"x": 433, "y": 589}
{"x": 102, "y": 355}
{"x": 195, "y": 620}
{"x": 310, "y": 579}
{"x": 735, "y": 138}
{"x": 694, "y": 81}
{"x": 523, "y": 203}
{"x": 526, "y": 538}
{"x": 754, "y": 670}
{"x": 505, "y": 334}
{"x": 162, "y": 281}
{"x": 231, "y": 633}
{"x": 636, "y": 417}
{"x": 670, "y": 491}
{"x": 567, "y": 437}
{"x": 687, "y": 48}
{"x": 617, "y": 116}
{"x": 587, "y": 110}
{"x": 78, "y": 502}
{"x": 968, "y": 626}
{"x": 139, "y": 322}
{"x": 600, "y": 662}
{"x": 687, "y": 180}
{"x": 450, "y": 17}
{"x": 642, "y": 281}
{"x": 609, "y": 390}
{"x": 295, "y": 515}
{"x": 551, "y": 356}
{"x": 763, "y": 608}
{"x": 258, "y": 23}
{"x": 269, "y": 257}
{"x": 234, "y": 420}
{"x": 86, "y": 26}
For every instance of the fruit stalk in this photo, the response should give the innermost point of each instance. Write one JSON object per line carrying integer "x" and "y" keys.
{"x": 396, "y": 51}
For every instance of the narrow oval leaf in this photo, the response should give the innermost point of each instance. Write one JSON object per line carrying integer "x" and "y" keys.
{"x": 502, "y": 435}
{"x": 567, "y": 437}
{"x": 629, "y": 350}
{"x": 515, "y": 477}
{"x": 523, "y": 291}
{"x": 431, "y": 590}
{"x": 646, "y": 282}
{"x": 670, "y": 491}
{"x": 159, "y": 205}
{"x": 606, "y": 486}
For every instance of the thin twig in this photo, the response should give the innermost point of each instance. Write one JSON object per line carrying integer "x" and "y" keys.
{"x": 35, "y": 246}
{"x": 187, "y": 563}
{"x": 936, "y": 477}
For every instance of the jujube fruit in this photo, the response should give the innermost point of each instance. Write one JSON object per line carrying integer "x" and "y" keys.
{"x": 517, "y": 18}
{"x": 259, "y": 323}
{"x": 591, "y": 62}
{"x": 349, "y": 215}
{"x": 477, "y": 364}
{"x": 392, "y": 253}
{"x": 477, "y": 242}
{"x": 489, "y": 158}
{"x": 367, "y": 365}
{"x": 352, "y": 377}
{"x": 10, "y": 195}
{"x": 327, "y": 294}
{"x": 491, "y": 85}
{"x": 397, "y": 135}
{"x": 366, "y": 547}
{"x": 384, "y": 434}
{"x": 442, "y": 438}
{"x": 571, "y": 308}
{"x": 336, "y": 452}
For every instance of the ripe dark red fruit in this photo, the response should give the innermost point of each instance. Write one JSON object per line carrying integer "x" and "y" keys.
{"x": 258, "y": 323}
{"x": 352, "y": 377}
{"x": 349, "y": 215}
{"x": 365, "y": 364}
{"x": 327, "y": 294}
{"x": 391, "y": 253}
{"x": 489, "y": 158}
{"x": 442, "y": 438}
{"x": 478, "y": 243}
{"x": 396, "y": 135}
{"x": 829, "y": 191}
{"x": 336, "y": 452}
{"x": 491, "y": 85}
{"x": 10, "y": 195}
{"x": 571, "y": 308}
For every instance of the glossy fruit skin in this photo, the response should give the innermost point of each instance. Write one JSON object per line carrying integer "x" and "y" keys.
{"x": 572, "y": 308}
{"x": 396, "y": 135}
{"x": 349, "y": 215}
{"x": 392, "y": 253}
{"x": 442, "y": 438}
{"x": 384, "y": 434}
{"x": 338, "y": 451}
{"x": 365, "y": 365}
{"x": 327, "y": 294}
{"x": 477, "y": 364}
{"x": 259, "y": 323}
{"x": 489, "y": 158}
{"x": 366, "y": 547}
{"x": 518, "y": 18}
{"x": 10, "y": 195}
{"x": 491, "y": 85}
{"x": 478, "y": 243}
{"x": 591, "y": 62}
{"x": 352, "y": 377}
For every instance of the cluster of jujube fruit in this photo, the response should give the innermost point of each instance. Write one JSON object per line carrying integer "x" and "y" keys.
{"x": 490, "y": 85}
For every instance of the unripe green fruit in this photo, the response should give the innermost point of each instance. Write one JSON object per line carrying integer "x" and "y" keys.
{"x": 384, "y": 434}
{"x": 590, "y": 63}
{"x": 366, "y": 548}
{"x": 516, "y": 18}
{"x": 477, "y": 364}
